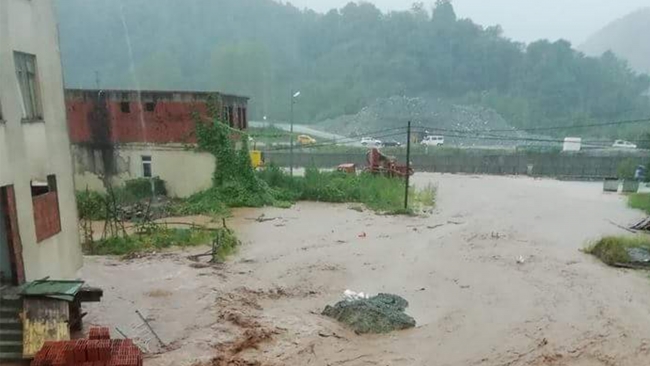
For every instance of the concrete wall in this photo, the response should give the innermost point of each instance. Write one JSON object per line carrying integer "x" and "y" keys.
{"x": 563, "y": 165}
{"x": 184, "y": 171}
{"x": 34, "y": 150}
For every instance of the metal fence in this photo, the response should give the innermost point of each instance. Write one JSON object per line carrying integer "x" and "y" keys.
{"x": 573, "y": 165}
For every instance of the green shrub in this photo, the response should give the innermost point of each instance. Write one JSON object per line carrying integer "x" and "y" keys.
{"x": 140, "y": 188}
{"x": 91, "y": 205}
{"x": 613, "y": 249}
{"x": 160, "y": 238}
{"x": 625, "y": 169}
{"x": 379, "y": 193}
{"x": 639, "y": 201}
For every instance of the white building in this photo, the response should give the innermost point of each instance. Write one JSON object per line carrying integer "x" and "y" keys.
{"x": 38, "y": 214}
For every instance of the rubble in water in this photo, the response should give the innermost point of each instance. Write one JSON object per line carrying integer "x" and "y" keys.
{"x": 378, "y": 314}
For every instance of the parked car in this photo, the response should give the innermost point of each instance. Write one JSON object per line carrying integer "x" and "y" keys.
{"x": 392, "y": 143}
{"x": 621, "y": 144}
{"x": 369, "y": 141}
{"x": 433, "y": 141}
{"x": 306, "y": 140}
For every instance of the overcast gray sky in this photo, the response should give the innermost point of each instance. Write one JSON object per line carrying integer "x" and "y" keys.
{"x": 522, "y": 20}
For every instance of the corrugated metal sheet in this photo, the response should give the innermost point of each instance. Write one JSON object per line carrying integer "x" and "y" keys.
{"x": 63, "y": 290}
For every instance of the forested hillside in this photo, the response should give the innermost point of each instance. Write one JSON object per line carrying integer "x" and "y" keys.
{"x": 628, "y": 37}
{"x": 341, "y": 61}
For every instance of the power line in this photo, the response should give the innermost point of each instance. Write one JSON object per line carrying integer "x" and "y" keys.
{"x": 550, "y": 128}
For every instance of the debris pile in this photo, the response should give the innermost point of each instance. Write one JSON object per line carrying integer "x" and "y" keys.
{"x": 98, "y": 350}
{"x": 427, "y": 114}
{"x": 639, "y": 256}
{"x": 378, "y": 314}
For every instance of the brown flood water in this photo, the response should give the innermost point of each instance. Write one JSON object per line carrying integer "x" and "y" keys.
{"x": 458, "y": 268}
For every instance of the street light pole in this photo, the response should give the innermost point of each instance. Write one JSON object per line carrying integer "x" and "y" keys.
{"x": 294, "y": 95}
{"x": 291, "y": 136}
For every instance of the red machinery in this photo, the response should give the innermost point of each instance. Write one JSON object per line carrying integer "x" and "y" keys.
{"x": 379, "y": 163}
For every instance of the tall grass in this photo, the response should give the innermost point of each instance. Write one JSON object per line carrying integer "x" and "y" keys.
{"x": 639, "y": 201}
{"x": 158, "y": 239}
{"x": 379, "y": 193}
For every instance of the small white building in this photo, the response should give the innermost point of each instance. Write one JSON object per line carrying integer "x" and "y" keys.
{"x": 38, "y": 214}
{"x": 572, "y": 144}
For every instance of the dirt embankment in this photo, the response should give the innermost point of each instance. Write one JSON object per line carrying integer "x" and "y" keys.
{"x": 493, "y": 277}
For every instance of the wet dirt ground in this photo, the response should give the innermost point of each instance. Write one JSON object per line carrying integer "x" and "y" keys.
{"x": 458, "y": 268}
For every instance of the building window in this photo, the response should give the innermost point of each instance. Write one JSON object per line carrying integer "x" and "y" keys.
{"x": 28, "y": 83}
{"x": 150, "y": 106}
{"x": 146, "y": 166}
{"x": 45, "y": 202}
{"x": 125, "y": 107}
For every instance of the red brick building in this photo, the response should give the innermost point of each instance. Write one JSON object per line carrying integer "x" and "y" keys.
{"x": 155, "y": 117}
{"x": 125, "y": 134}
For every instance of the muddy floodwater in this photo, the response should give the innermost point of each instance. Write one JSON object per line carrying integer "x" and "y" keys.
{"x": 494, "y": 276}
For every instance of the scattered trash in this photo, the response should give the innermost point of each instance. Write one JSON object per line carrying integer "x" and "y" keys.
{"x": 378, "y": 314}
{"x": 350, "y": 295}
{"x": 262, "y": 218}
{"x": 325, "y": 335}
{"x": 639, "y": 256}
{"x": 641, "y": 225}
{"x": 362, "y": 235}
{"x": 521, "y": 260}
{"x": 435, "y": 226}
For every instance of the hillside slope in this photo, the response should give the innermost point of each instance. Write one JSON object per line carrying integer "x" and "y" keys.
{"x": 628, "y": 37}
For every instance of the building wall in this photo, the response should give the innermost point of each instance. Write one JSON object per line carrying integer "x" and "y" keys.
{"x": 34, "y": 150}
{"x": 184, "y": 171}
{"x": 122, "y": 116}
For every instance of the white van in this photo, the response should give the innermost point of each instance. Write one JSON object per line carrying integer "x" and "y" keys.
{"x": 433, "y": 141}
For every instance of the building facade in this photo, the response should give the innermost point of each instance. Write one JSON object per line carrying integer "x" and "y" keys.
{"x": 38, "y": 214}
{"x": 118, "y": 135}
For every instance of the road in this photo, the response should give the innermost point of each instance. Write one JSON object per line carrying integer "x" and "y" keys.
{"x": 474, "y": 302}
{"x": 299, "y": 129}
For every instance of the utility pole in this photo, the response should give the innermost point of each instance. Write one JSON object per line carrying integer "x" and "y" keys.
{"x": 97, "y": 79}
{"x": 294, "y": 95}
{"x": 291, "y": 136}
{"x": 408, "y": 165}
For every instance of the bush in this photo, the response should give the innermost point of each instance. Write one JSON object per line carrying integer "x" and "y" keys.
{"x": 639, "y": 201}
{"x": 378, "y": 193}
{"x": 157, "y": 239}
{"x": 625, "y": 169}
{"x": 613, "y": 250}
{"x": 91, "y": 205}
{"x": 140, "y": 188}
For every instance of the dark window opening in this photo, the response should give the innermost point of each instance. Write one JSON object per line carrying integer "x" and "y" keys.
{"x": 146, "y": 166}
{"x": 150, "y": 106}
{"x": 231, "y": 116}
{"x": 45, "y": 202}
{"x": 125, "y": 107}
{"x": 39, "y": 188}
